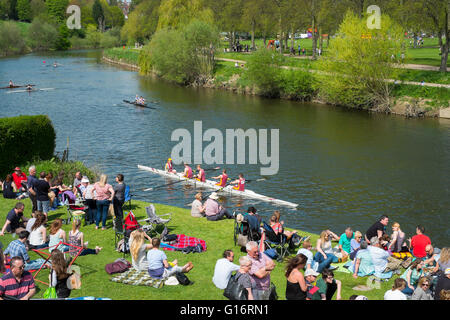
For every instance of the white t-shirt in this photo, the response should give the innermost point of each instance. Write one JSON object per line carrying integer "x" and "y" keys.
{"x": 394, "y": 295}
{"x": 36, "y": 238}
{"x": 30, "y": 224}
{"x": 222, "y": 272}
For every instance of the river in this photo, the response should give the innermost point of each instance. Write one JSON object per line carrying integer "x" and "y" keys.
{"x": 343, "y": 167}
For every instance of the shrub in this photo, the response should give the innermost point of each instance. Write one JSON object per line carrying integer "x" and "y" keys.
{"x": 11, "y": 39}
{"x": 296, "y": 84}
{"x": 42, "y": 35}
{"x": 25, "y": 138}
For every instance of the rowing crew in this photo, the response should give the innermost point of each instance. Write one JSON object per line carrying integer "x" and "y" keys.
{"x": 139, "y": 100}
{"x": 201, "y": 176}
{"x": 28, "y": 86}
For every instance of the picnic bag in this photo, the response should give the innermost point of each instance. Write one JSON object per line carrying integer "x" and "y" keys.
{"x": 234, "y": 290}
{"x": 118, "y": 266}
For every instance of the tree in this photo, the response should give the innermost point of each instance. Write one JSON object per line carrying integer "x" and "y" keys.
{"x": 179, "y": 13}
{"x": 117, "y": 17}
{"x": 42, "y": 35}
{"x": 38, "y": 9}
{"x": 23, "y": 10}
{"x": 57, "y": 10}
{"x": 11, "y": 40}
{"x": 358, "y": 62}
{"x": 62, "y": 40}
{"x": 142, "y": 22}
{"x": 98, "y": 15}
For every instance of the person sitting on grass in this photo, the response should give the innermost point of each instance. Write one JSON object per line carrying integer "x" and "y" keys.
{"x": 15, "y": 220}
{"x": 325, "y": 253}
{"x": 312, "y": 291}
{"x": 198, "y": 209}
{"x": 362, "y": 265}
{"x": 2, "y": 259}
{"x": 379, "y": 259}
{"x": 9, "y": 188}
{"x": 17, "y": 248}
{"x": 17, "y": 284}
{"x": 328, "y": 285}
{"x": 20, "y": 179}
{"x": 58, "y": 275}
{"x": 159, "y": 267}
{"x": 396, "y": 292}
{"x": 423, "y": 291}
{"x": 38, "y": 234}
{"x": 138, "y": 249}
{"x": 223, "y": 269}
{"x": 344, "y": 242}
{"x": 412, "y": 276}
{"x": 57, "y": 235}
{"x": 355, "y": 245}
{"x": 442, "y": 284}
{"x": 76, "y": 238}
{"x": 397, "y": 238}
{"x": 213, "y": 210}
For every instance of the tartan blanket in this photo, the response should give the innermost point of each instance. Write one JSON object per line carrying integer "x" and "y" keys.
{"x": 184, "y": 241}
{"x": 138, "y": 278}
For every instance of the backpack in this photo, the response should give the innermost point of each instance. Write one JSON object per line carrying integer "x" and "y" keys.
{"x": 234, "y": 290}
{"x": 183, "y": 279}
{"x": 131, "y": 222}
{"x": 118, "y": 266}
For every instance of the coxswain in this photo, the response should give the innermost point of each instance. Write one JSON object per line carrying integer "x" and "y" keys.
{"x": 223, "y": 179}
{"x": 29, "y": 87}
{"x": 142, "y": 100}
{"x": 11, "y": 84}
{"x": 240, "y": 183}
{"x": 136, "y": 99}
{"x": 187, "y": 171}
{"x": 169, "y": 166}
{"x": 201, "y": 176}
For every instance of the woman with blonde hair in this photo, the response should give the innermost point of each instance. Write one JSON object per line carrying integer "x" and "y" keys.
{"x": 397, "y": 239}
{"x": 324, "y": 249}
{"x": 198, "y": 209}
{"x": 76, "y": 238}
{"x": 57, "y": 235}
{"x": 138, "y": 249}
{"x": 423, "y": 291}
{"x": 444, "y": 259}
{"x": 355, "y": 244}
{"x": 105, "y": 194}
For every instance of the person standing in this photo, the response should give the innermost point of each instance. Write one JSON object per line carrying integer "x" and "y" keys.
{"x": 105, "y": 194}
{"x": 42, "y": 188}
{"x": 262, "y": 266}
{"x": 89, "y": 196}
{"x": 118, "y": 200}
{"x": 223, "y": 269}
{"x": 31, "y": 180}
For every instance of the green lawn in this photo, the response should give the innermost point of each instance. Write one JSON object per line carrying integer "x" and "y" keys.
{"x": 218, "y": 237}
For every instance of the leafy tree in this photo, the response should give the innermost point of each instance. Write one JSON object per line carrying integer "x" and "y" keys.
{"x": 57, "y": 10}
{"x": 178, "y": 13}
{"x": 11, "y": 40}
{"x": 38, "y": 9}
{"x": 23, "y": 10}
{"x": 62, "y": 40}
{"x": 142, "y": 22}
{"x": 93, "y": 36}
{"x": 98, "y": 15}
{"x": 358, "y": 61}
{"x": 117, "y": 17}
{"x": 42, "y": 35}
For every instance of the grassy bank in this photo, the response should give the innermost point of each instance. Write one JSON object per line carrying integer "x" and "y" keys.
{"x": 218, "y": 237}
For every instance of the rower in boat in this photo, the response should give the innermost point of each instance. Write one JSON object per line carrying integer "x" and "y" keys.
{"x": 187, "y": 171}
{"x": 11, "y": 84}
{"x": 141, "y": 100}
{"x": 169, "y": 166}
{"x": 201, "y": 176}
{"x": 136, "y": 99}
{"x": 240, "y": 183}
{"x": 223, "y": 179}
{"x": 29, "y": 87}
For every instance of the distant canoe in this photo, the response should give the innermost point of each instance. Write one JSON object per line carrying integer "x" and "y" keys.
{"x": 138, "y": 104}
{"x": 32, "y": 90}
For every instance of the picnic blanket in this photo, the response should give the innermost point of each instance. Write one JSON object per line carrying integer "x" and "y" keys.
{"x": 183, "y": 241}
{"x": 138, "y": 278}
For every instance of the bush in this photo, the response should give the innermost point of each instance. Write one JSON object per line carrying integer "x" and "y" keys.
{"x": 11, "y": 39}
{"x": 296, "y": 84}
{"x": 25, "y": 138}
{"x": 42, "y": 35}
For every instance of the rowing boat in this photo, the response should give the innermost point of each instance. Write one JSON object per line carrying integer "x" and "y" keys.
{"x": 211, "y": 184}
{"x": 32, "y": 90}
{"x": 138, "y": 104}
{"x": 13, "y": 87}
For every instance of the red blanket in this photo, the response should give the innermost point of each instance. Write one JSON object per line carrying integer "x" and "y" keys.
{"x": 184, "y": 241}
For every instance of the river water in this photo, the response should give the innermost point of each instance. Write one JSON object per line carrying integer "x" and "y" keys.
{"x": 343, "y": 168}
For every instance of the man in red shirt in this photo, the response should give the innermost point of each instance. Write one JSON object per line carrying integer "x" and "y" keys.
{"x": 18, "y": 177}
{"x": 419, "y": 242}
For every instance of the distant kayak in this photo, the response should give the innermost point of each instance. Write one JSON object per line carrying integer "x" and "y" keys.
{"x": 138, "y": 104}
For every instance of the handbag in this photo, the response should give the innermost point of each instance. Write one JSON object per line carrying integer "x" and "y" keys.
{"x": 183, "y": 279}
{"x": 234, "y": 290}
{"x": 273, "y": 292}
{"x": 242, "y": 240}
{"x": 50, "y": 293}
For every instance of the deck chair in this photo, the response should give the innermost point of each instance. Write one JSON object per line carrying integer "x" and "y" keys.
{"x": 153, "y": 221}
{"x": 128, "y": 196}
{"x": 275, "y": 241}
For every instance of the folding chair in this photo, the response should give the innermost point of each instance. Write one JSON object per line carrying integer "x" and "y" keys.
{"x": 72, "y": 205}
{"x": 153, "y": 220}
{"x": 243, "y": 228}
{"x": 128, "y": 196}
{"x": 275, "y": 241}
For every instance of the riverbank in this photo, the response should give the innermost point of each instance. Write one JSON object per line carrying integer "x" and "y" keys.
{"x": 218, "y": 236}
{"x": 410, "y": 99}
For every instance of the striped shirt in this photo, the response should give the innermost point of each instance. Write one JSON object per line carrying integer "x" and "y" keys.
{"x": 17, "y": 249}
{"x": 9, "y": 285}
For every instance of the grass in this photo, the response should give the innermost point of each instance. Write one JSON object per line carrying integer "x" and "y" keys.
{"x": 127, "y": 55}
{"x": 218, "y": 237}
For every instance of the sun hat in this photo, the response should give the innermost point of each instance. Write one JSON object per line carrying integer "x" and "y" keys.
{"x": 311, "y": 272}
{"x": 85, "y": 179}
{"x": 214, "y": 196}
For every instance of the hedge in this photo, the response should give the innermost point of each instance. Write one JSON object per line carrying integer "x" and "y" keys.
{"x": 23, "y": 139}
